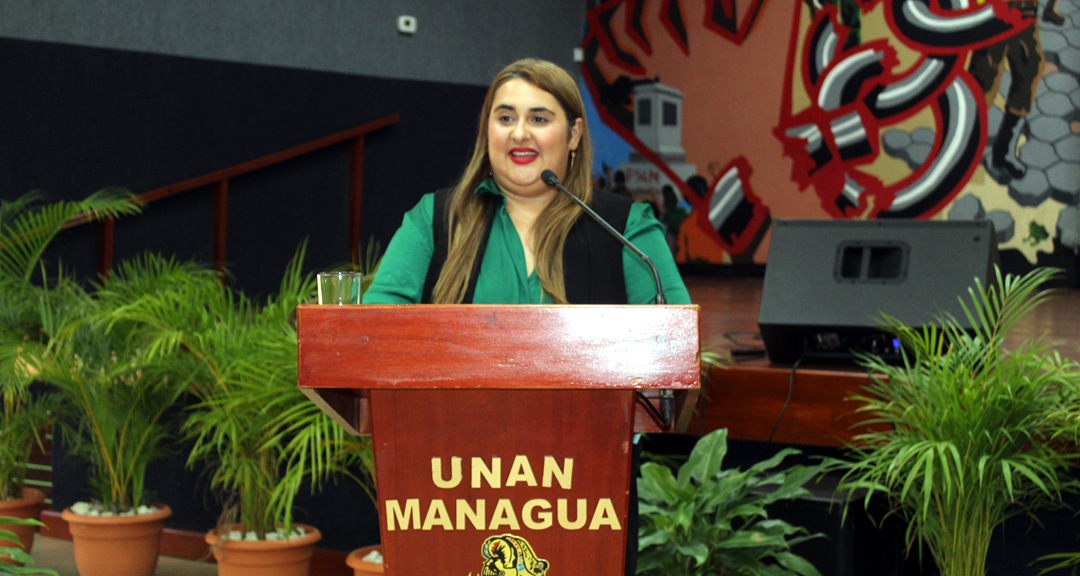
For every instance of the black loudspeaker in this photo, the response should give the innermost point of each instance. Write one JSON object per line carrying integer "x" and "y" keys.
{"x": 827, "y": 282}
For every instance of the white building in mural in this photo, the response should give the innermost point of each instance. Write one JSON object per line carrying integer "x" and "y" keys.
{"x": 658, "y": 124}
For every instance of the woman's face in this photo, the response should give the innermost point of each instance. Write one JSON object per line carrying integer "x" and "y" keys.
{"x": 528, "y": 132}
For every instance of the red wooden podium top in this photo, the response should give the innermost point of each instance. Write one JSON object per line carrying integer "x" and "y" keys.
{"x": 357, "y": 348}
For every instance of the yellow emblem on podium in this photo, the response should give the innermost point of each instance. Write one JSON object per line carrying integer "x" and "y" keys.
{"x": 509, "y": 555}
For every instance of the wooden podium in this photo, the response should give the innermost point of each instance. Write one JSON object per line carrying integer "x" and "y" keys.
{"x": 502, "y": 434}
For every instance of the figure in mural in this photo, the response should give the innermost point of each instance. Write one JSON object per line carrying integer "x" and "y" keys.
{"x": 1024, "y": 55}
{"x": 675, "y": 211}
{"x": 1051, "y": 15}
{"x": 621, "y": 91}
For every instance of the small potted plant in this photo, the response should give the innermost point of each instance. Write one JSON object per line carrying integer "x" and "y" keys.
{"x": 27, "y": 228}
{"x": 26, "y": 415}
{"x": 113, "y": 403}
{"x": 973, "y": 428}
{"x": 259, "y": 435}
{"x": 705, "y": 519}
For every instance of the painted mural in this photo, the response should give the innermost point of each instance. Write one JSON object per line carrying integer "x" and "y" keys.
{"x": 729, "y": 114}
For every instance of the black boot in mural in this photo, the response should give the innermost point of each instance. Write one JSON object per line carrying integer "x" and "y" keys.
{"x": 1051, "y": 15}
{"x": 1003, "y": 154}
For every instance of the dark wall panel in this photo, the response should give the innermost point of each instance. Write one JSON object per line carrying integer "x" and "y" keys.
{"x": 75, "y": 119}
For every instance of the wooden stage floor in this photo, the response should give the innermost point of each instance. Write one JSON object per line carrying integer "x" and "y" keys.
{"x": 750, "y": 397}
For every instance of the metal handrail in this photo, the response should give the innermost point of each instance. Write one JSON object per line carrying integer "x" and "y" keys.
{"x": 220, "y": 182}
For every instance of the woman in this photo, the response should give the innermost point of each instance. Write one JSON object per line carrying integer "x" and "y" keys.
{"x": 502, "y": 236}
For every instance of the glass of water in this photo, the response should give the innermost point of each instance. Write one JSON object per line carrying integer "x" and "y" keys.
{"x": 340, "y": 288}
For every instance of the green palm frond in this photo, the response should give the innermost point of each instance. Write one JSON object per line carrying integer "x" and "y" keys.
{"x": 251, "y": 425}
{"x": 27, "y": 416}
{"x": 372, "y": 252}
{"x": 968, "y": 429}
{"x": 114, "y": 399}
{"x": 10, "y": 209}
{"x": 158, "y": 329}
{"x": 25, "y": 231}
{"x": 12, "y": 550}
{"x": 1064, "y": 560}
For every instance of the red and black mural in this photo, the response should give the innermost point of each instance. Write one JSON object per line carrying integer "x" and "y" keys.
{"x": 737, "y": 112}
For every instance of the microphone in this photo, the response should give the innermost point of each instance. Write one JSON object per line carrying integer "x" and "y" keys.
{"x": 667, "y": 397}
{"x": 552, "y": 180}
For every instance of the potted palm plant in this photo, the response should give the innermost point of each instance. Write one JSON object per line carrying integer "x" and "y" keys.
{"x": 259, "y": 435}
{"x": 113, "y": 403}
{"x": 25, "y": 417}
{"x": 27, "y": 228}
{"x": 971, "y": 428}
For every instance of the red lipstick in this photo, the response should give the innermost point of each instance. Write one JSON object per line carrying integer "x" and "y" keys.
{"x": 523, "y": 155}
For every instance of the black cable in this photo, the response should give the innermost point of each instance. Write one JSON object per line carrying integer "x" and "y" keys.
{"x": 735, "y": 338}
{"x": 790, "y": 392}
{"x": 652, "y": 410}
{"x": 743, "y": 349}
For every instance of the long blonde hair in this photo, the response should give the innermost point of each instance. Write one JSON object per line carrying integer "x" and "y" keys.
{"x": 467, "y": 213}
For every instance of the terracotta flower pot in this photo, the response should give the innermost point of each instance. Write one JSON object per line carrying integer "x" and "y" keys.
{"x": 290, "y": 557}
{"x": 29, "y": 506}
{"x": 116, "y": 545}
{"x": 355, "y": 560}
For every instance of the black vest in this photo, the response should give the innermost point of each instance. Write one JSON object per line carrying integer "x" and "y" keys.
{"x": 592, "y": 258}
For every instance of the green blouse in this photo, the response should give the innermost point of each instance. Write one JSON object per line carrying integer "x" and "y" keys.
{"x": 401, "y": 275}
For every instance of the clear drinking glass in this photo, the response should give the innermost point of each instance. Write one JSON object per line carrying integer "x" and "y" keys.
{"x": 340, "y": 288}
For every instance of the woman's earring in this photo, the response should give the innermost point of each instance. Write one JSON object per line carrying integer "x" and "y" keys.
{"x": 572, "y": 154}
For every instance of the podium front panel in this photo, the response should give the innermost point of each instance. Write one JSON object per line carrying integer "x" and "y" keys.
{"x": 503, "y": 479}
